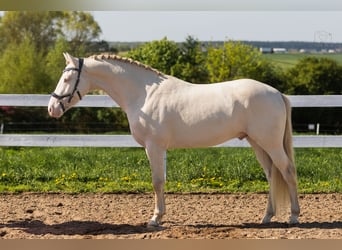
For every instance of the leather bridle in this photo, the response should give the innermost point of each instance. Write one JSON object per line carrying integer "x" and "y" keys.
{"x": 75, "y": 90}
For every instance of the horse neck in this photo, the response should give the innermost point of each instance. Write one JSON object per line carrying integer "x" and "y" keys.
{"x": 126, "y": 84}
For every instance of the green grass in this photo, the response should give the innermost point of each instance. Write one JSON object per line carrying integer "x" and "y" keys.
{"x": 127, "y": 170}
{"x": 288, "y": 60}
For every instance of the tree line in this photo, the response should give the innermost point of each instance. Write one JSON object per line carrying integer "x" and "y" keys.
{"x": 31, "y": 61}
{"x": 198, "y": 63}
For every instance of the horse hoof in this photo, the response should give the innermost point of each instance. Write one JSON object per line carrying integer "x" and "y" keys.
{"x": 152, "y": 224}
{"x": 267, "y": 219}
{"x": 293, "y": 220}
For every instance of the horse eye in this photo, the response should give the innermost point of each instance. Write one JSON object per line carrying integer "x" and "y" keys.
{"x": 66, "y": 79}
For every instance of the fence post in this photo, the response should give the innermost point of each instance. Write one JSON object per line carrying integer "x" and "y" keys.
{"x": 317, "y": 129}
{"x": 165, "y": 162}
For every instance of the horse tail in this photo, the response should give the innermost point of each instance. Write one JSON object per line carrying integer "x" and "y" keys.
{"x": 279, "y": 188}
{"x": 288, "y": 144}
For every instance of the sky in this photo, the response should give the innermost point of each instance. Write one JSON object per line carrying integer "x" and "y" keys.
{"x": 318, "y": 26}
{"x": 208, "y": 20}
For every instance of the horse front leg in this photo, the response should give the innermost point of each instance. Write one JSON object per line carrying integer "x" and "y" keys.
{"x": 157, "y": 156}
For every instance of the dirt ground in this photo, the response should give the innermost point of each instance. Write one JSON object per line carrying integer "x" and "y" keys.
{"x": 189, "y": 216}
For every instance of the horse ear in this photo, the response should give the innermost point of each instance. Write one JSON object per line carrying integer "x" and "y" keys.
{"x": 69, "y": 59}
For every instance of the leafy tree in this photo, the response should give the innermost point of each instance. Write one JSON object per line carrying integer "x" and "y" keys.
{"x": 23, "y": 69}
{"x": 236, "y": 60}
{"x": 161, "y": 54}
{"x": 190, "y": 65}
{"x": 45, "y": 27}
{"x": 38, "y": 26}
{"x": 32, "y": 43}
{"x": 55, "y": 61}
{"x": 186, "y": 61}
{"x": 313, "y": 75}
{"x": 79, "y": 28}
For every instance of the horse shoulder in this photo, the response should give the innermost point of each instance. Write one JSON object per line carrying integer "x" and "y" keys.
{"x": 148, "y": 120}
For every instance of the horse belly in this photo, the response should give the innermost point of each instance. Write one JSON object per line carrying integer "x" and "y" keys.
{"x": 192, "y": 140}
{"x": 202, "y": 134}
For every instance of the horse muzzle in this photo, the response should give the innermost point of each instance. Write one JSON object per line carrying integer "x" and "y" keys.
{"x": 56, "y": 109}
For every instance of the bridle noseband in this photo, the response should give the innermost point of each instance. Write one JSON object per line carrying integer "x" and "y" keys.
{"x": 75, "y": 90}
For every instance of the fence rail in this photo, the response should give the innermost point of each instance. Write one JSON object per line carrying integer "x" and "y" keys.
{"x": 51, "y": 140}
{"x": 106, "y": 102}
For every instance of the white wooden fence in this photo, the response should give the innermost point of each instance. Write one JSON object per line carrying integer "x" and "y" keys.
{"x": 52, "y": 140}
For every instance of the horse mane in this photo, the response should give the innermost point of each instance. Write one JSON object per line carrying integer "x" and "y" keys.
{"x": 114, "y": 57}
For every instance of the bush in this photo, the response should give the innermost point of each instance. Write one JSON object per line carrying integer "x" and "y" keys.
{"x": 315, "y": 76}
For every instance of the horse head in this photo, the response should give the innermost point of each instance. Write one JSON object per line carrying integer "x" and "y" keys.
{"x": 69, "y": 89}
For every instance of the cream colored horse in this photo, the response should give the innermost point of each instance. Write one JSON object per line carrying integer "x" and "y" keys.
{"x": 165, "y": 112}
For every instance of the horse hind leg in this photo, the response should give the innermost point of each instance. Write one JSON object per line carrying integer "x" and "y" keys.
{"x": 283, "y": 171}
{"x": 266, "y": 163}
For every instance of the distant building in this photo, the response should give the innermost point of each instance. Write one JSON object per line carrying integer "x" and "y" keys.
{"x": 279, "y": 50}
{"x": 266, "y": 50}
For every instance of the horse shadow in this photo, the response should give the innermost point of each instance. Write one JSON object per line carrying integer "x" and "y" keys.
{"x": 277, "y": 225}
{"x": 37, "y": 227}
